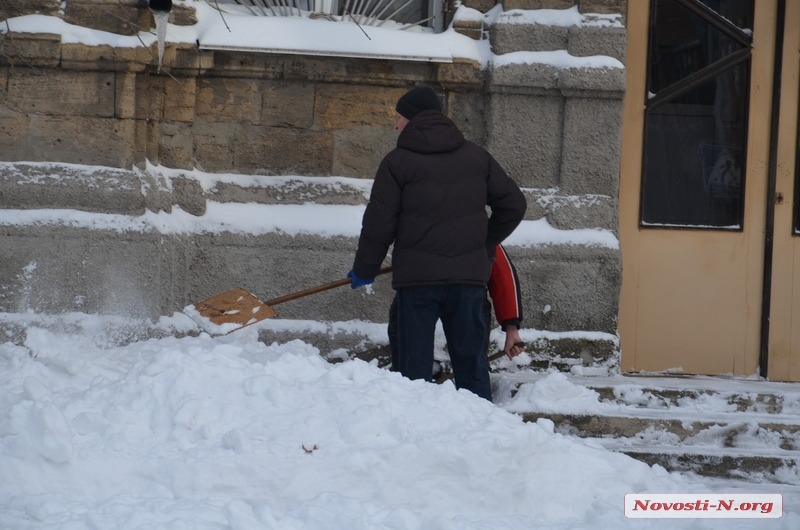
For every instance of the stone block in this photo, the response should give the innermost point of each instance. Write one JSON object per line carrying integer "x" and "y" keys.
{"x": 358, "y": 151}
{"x": 524, "y": 135}
{"x": 103, "y": 190}
{"x": 180, "y": 96}
{"x": 468, "y": 112}
{"x": 18, "y": 8}
{"x": 78, "y": 56}
{"x": 508, "y": 36}
{"x": 519, "y": 78}
{"x": 124, "y": 17}
{"x": 603, "y": 6}
{"x": 593, "y": 82}
{"x": 229, "y": 99}
{"x": 586, "y": 41}
{"x": 188, "y": 195}
{"x": 569, "y": 287}
{"x": 338, "y": 106}
{"x": 474, "y": 29}
{"x": 461, "y": 72}
{"x": 14, "y": 127}
{"x": 481, "y": 5}
{"x": 30, "y": 49}
{"x": 287, "y": 104}
{"x": 65, "y": 139}
{"x": 188, "y": 59}
{"x": 591, "y": 146}
{"x": 64, "y": 93}
{"x": 150, "y": 96}
{"x": 282, "y": 151}
{"x": 176, "y": 145}
{"x": 214, "y": 145}
{"x": 242, "y": 64}
{"x": 125, "y": 95}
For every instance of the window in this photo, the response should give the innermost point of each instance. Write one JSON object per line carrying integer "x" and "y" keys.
{"x": 399, "y": 14}
{"x": 696, "y": 108}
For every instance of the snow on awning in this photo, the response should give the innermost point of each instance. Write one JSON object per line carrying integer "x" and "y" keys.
{"x": 323, "y": 37}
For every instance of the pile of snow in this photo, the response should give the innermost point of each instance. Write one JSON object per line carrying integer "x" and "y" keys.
{"x": 228, "y": 432}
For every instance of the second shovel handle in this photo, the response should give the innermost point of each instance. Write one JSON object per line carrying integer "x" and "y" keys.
{"x": 317, "y": 289}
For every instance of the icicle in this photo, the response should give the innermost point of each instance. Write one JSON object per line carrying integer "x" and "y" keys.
{"x": 160, "y": 10}
{"x": 162, "y": 20}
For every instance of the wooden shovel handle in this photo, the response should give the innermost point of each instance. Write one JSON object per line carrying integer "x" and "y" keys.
{"x": 317, "y": 289}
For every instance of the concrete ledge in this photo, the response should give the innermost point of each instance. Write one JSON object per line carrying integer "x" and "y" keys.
{"x": 570, "y": 212}
{"x": 106, "y": 58}
{"x": 132, "y": 192}
{"x": 545, "y": 79}
{"x": 147, "y": 274}
{"x": 105, "y": 190}
{"x": 30, "y": 49}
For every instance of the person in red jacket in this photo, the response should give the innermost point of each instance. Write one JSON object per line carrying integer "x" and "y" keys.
{"x": 506, "y": 296}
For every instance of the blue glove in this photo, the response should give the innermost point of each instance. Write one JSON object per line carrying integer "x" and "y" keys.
{"x": 356, "y": 282}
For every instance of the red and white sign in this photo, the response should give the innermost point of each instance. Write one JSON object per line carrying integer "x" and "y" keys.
{"x": 703, "y": 506}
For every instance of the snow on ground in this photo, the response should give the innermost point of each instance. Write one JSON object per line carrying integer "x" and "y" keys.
{"x": 228, "y": 432}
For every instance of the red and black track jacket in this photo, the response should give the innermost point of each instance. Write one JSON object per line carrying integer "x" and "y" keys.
{"x": 504, "y": 290}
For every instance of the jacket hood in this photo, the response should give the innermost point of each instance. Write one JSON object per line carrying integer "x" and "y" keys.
{"x": 430, "y": 132}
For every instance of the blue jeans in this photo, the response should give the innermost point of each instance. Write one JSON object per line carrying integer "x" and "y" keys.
{"x": 462, "y": 310}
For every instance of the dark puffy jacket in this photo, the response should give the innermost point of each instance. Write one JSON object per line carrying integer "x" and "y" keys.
{"x": 429, "y": 198}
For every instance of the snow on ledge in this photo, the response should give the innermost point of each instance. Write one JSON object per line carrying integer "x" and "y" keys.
{"x": 285, "y": 35}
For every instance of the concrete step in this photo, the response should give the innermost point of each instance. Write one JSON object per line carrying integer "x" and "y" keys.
{"x": 527, "y": 30}
{"x": 161, "y": 242}
{"x": 729, "y": 428}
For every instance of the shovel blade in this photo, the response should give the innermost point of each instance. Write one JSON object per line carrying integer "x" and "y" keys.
{"x": 228, "y": 311}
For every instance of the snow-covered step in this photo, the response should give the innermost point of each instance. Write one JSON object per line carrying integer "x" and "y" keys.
{"x": 710, "y": 461}
{"x": 544, "y": 30}
{"x": 692, "y": 394}
{"x": 735, "y": 431}
{"x": 711, "y": 426}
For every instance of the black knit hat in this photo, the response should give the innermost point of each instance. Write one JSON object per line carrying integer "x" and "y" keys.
{"x": 416, "y": 100}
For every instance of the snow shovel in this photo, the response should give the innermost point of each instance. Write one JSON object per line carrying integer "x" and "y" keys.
{"x": 237, "y": 308}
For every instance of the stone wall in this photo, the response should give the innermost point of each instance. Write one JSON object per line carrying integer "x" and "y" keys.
{"x": 218, "y": 111}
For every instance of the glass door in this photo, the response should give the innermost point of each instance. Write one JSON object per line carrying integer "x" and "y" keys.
{"x": 693, "y": 184}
